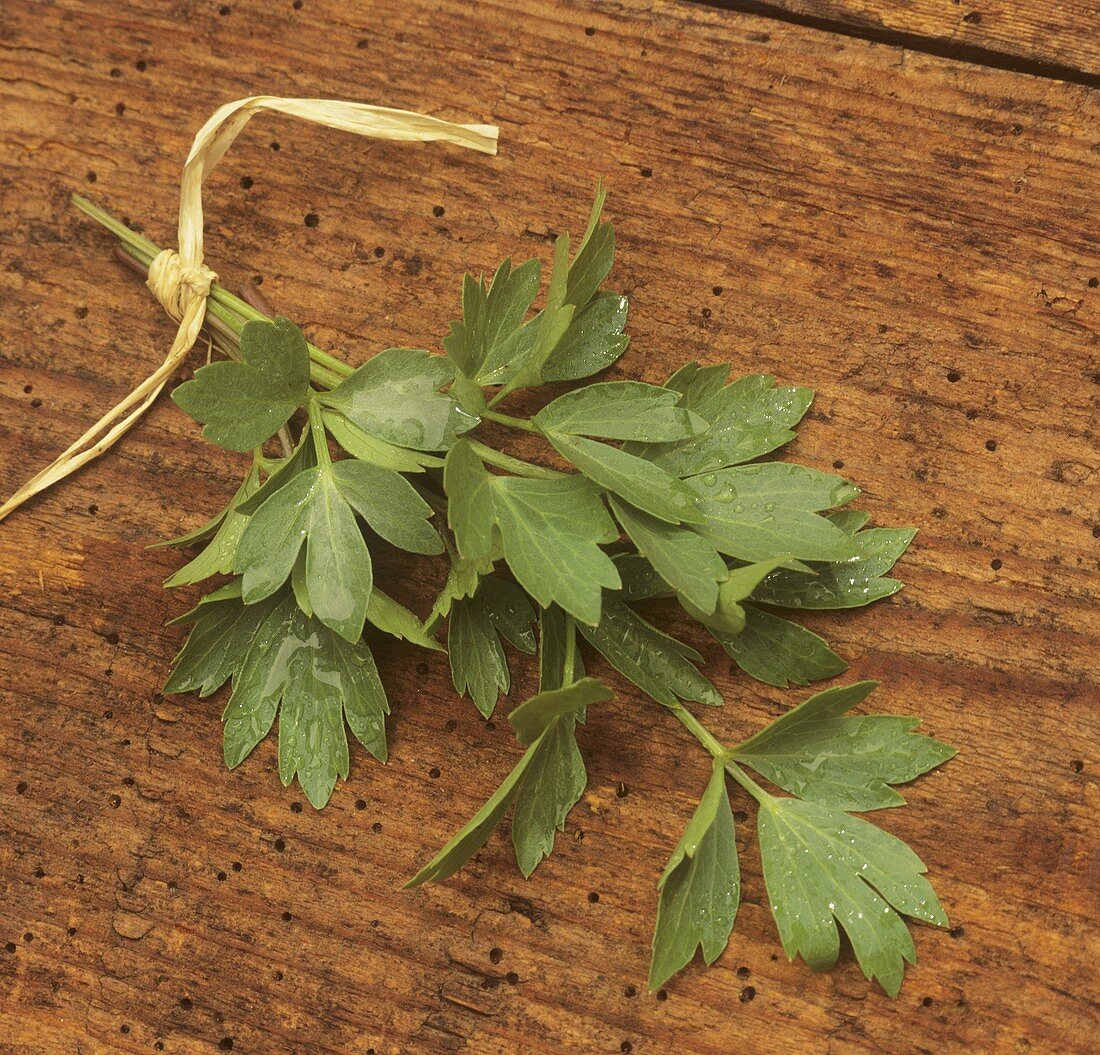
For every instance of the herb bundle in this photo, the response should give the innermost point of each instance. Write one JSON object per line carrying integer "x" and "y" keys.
{"x": 654, "y": 492}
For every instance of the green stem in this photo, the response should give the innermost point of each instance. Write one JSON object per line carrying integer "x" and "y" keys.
{"x": 715, "y": 748}
{"x": 514, "y": 465}
{"x": 507, "y": 419}
{"x": 143, "y": 250}
{"x": 317, "y": 433}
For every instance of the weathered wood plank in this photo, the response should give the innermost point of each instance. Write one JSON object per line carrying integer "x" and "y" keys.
{"x": 916, "y": 239}
{"x": 1054, "y": 37}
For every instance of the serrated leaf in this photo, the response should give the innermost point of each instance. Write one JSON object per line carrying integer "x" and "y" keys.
{"x": 849, "y": 763}
{"x": 243, "y": 404}
{"x": 479, "y": 668}
{"x": 311, "y": 511}
{"x": 551, "y": 532}
{"x": 462, "y": 581}
{"x": 700, "y": 887}
{"x": 658, "y": 664}
{"x": 593, "y": 341}
{"x": 650, "y": 489}
{"x": 822, "y": 866}
{"x": 594, "y": 255}
{"x": 850, "y": 583}
{"x": 217, "y": 557}
{"x": 223, "y": 629}
{"x": 315, "y": 680}
{"x": 550, "y": 788}
{"x": 475, "y": 833}
{"x": 531, "y": 718}
{"x": 282, "y": 471}
{"x": 619, "y": 410}
{"x": 367, "y": 448}
{"x": 681, "y": 558}
{"x": 491, "y": 314}
{"x": 469, "y": 501}
{"x": 396, "y": 397}
{"x": 746, "y": 419}
{"x": 392, "y": 617}
{"x": 756, "y": 512}
{"x": 778, "y": 652}
{"x": 389, "y": 504}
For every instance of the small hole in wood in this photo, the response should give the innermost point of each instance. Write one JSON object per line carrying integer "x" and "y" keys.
{"x": 995, "y": 564}
{"x": 124, "y": 1028}
{"x": 953, "y": 376}
{"x": 36, "y": 403}
{"x": 237, "y": 866}
{"x": 434, "y": 772}
{"x": 20, "y": 787}
{"x": 990, "y": 445}
{"x": 622, "y": 791}
{"x": 956, "y": 932}
{"x": 10, "y": 946}
{"x": 593, "y": 897}
{"x": 246, "y": 183}
{"x": 379, "y": 252}
{"x": 311, "y": 219}
{"x": 120, "y": 108}
{"x": 1077, "y": 765}
{"x": 716, "y": 290}
{"x": 496, "y": 955}
{"x": 438, "y": 210}
{"x": 646, "y": 172}
{"x": 743, "y": 972}
{"x": 279, "y": 845}
{"x": 511, "y": 978}
{"x": 116, "y": 73}
{"x": 71, "y": 931}
{"x": 747, "y": 994}
{"x": 39, "y": 873}
{"x": 224, "y": 10}
{"x": 91, "y": 177}
{"x": 662, "y": 995}
{"x": 140, "y": 65}
{"x": 360, "y": 804}
{"x": 275, "y": 146}
{"x": 222, "y": 877}
{"x": 115, "y": 802}
{"x": 287, "y": 917}
{"x": 376, "y": 827}
{"x": 927, "y": 1002}
{"x": 295, "y": 807}
{"x": 362, "y": 45}
{"x": 629, "y": 992}
{"x": 225, "y": 1044}
{"x": 1094, "y": 282}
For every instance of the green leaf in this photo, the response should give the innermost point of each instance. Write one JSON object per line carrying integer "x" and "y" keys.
{"x": 683, "y": 559}
{"x": 469, "y": 501}
{"x": 729, "y": 616}
{"x": 215, "y": 648}
{"x": 478, "y": 664}
{"x": 848, "y": 583}
{"x": 619, "y": 410}
{"x": 755, "y": 512}
{"x": 243, "y": 404}
{"x": 315, "y": 680}
{"x": 395, "y": 396}
{"x": 849, "y": 520}
{"x": 462, "y": 581}
{"x": 594, "y": 256}
{"x": 219, "y": 553}
{"x": 593, "y": 341}
{"x": 551, "y": 532}
{"x": 534, "y": 344}
{"x": 282, "y": 471}
{"x": 746, "y": 419}
{"x": 658, "y": 664}
{"x": 700, "y": 888}
{"x": 640, "y": 483}
{"x": 475, "y": 833}
{"x": 822, "y": 866}
{"x": 552, "y": 785}
{"x": 778, "y": 652}
{"x": 389, "y": 503}
{"x": 310, "y": 510}
{"x": 393, "y": 618}
{"x": 367, "y": 448}
{"x": 491, "y": 315}
{"x": 532, "y": 717}
{"x": 816, "y": 753}
{"x": 640, "y": 581}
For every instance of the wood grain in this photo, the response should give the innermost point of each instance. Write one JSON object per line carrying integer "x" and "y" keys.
{"x": 914, "y": 238}
{"x": 1061, "y": 35}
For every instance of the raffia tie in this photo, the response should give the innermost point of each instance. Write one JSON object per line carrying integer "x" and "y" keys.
{"x": 181, "y": 281}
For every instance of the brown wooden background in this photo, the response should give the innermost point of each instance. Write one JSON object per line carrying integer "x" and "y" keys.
{"x": 911, "y": 232}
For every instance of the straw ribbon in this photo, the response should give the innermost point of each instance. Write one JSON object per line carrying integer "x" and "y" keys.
{"x": 180, "y": 280}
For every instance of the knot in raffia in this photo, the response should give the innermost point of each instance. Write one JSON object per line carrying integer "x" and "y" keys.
{"x": 178, "y": 285}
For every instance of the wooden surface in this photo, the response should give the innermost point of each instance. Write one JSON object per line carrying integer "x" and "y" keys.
{"x": 1053, "y": 33}
{"x": 915, "y": 238}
